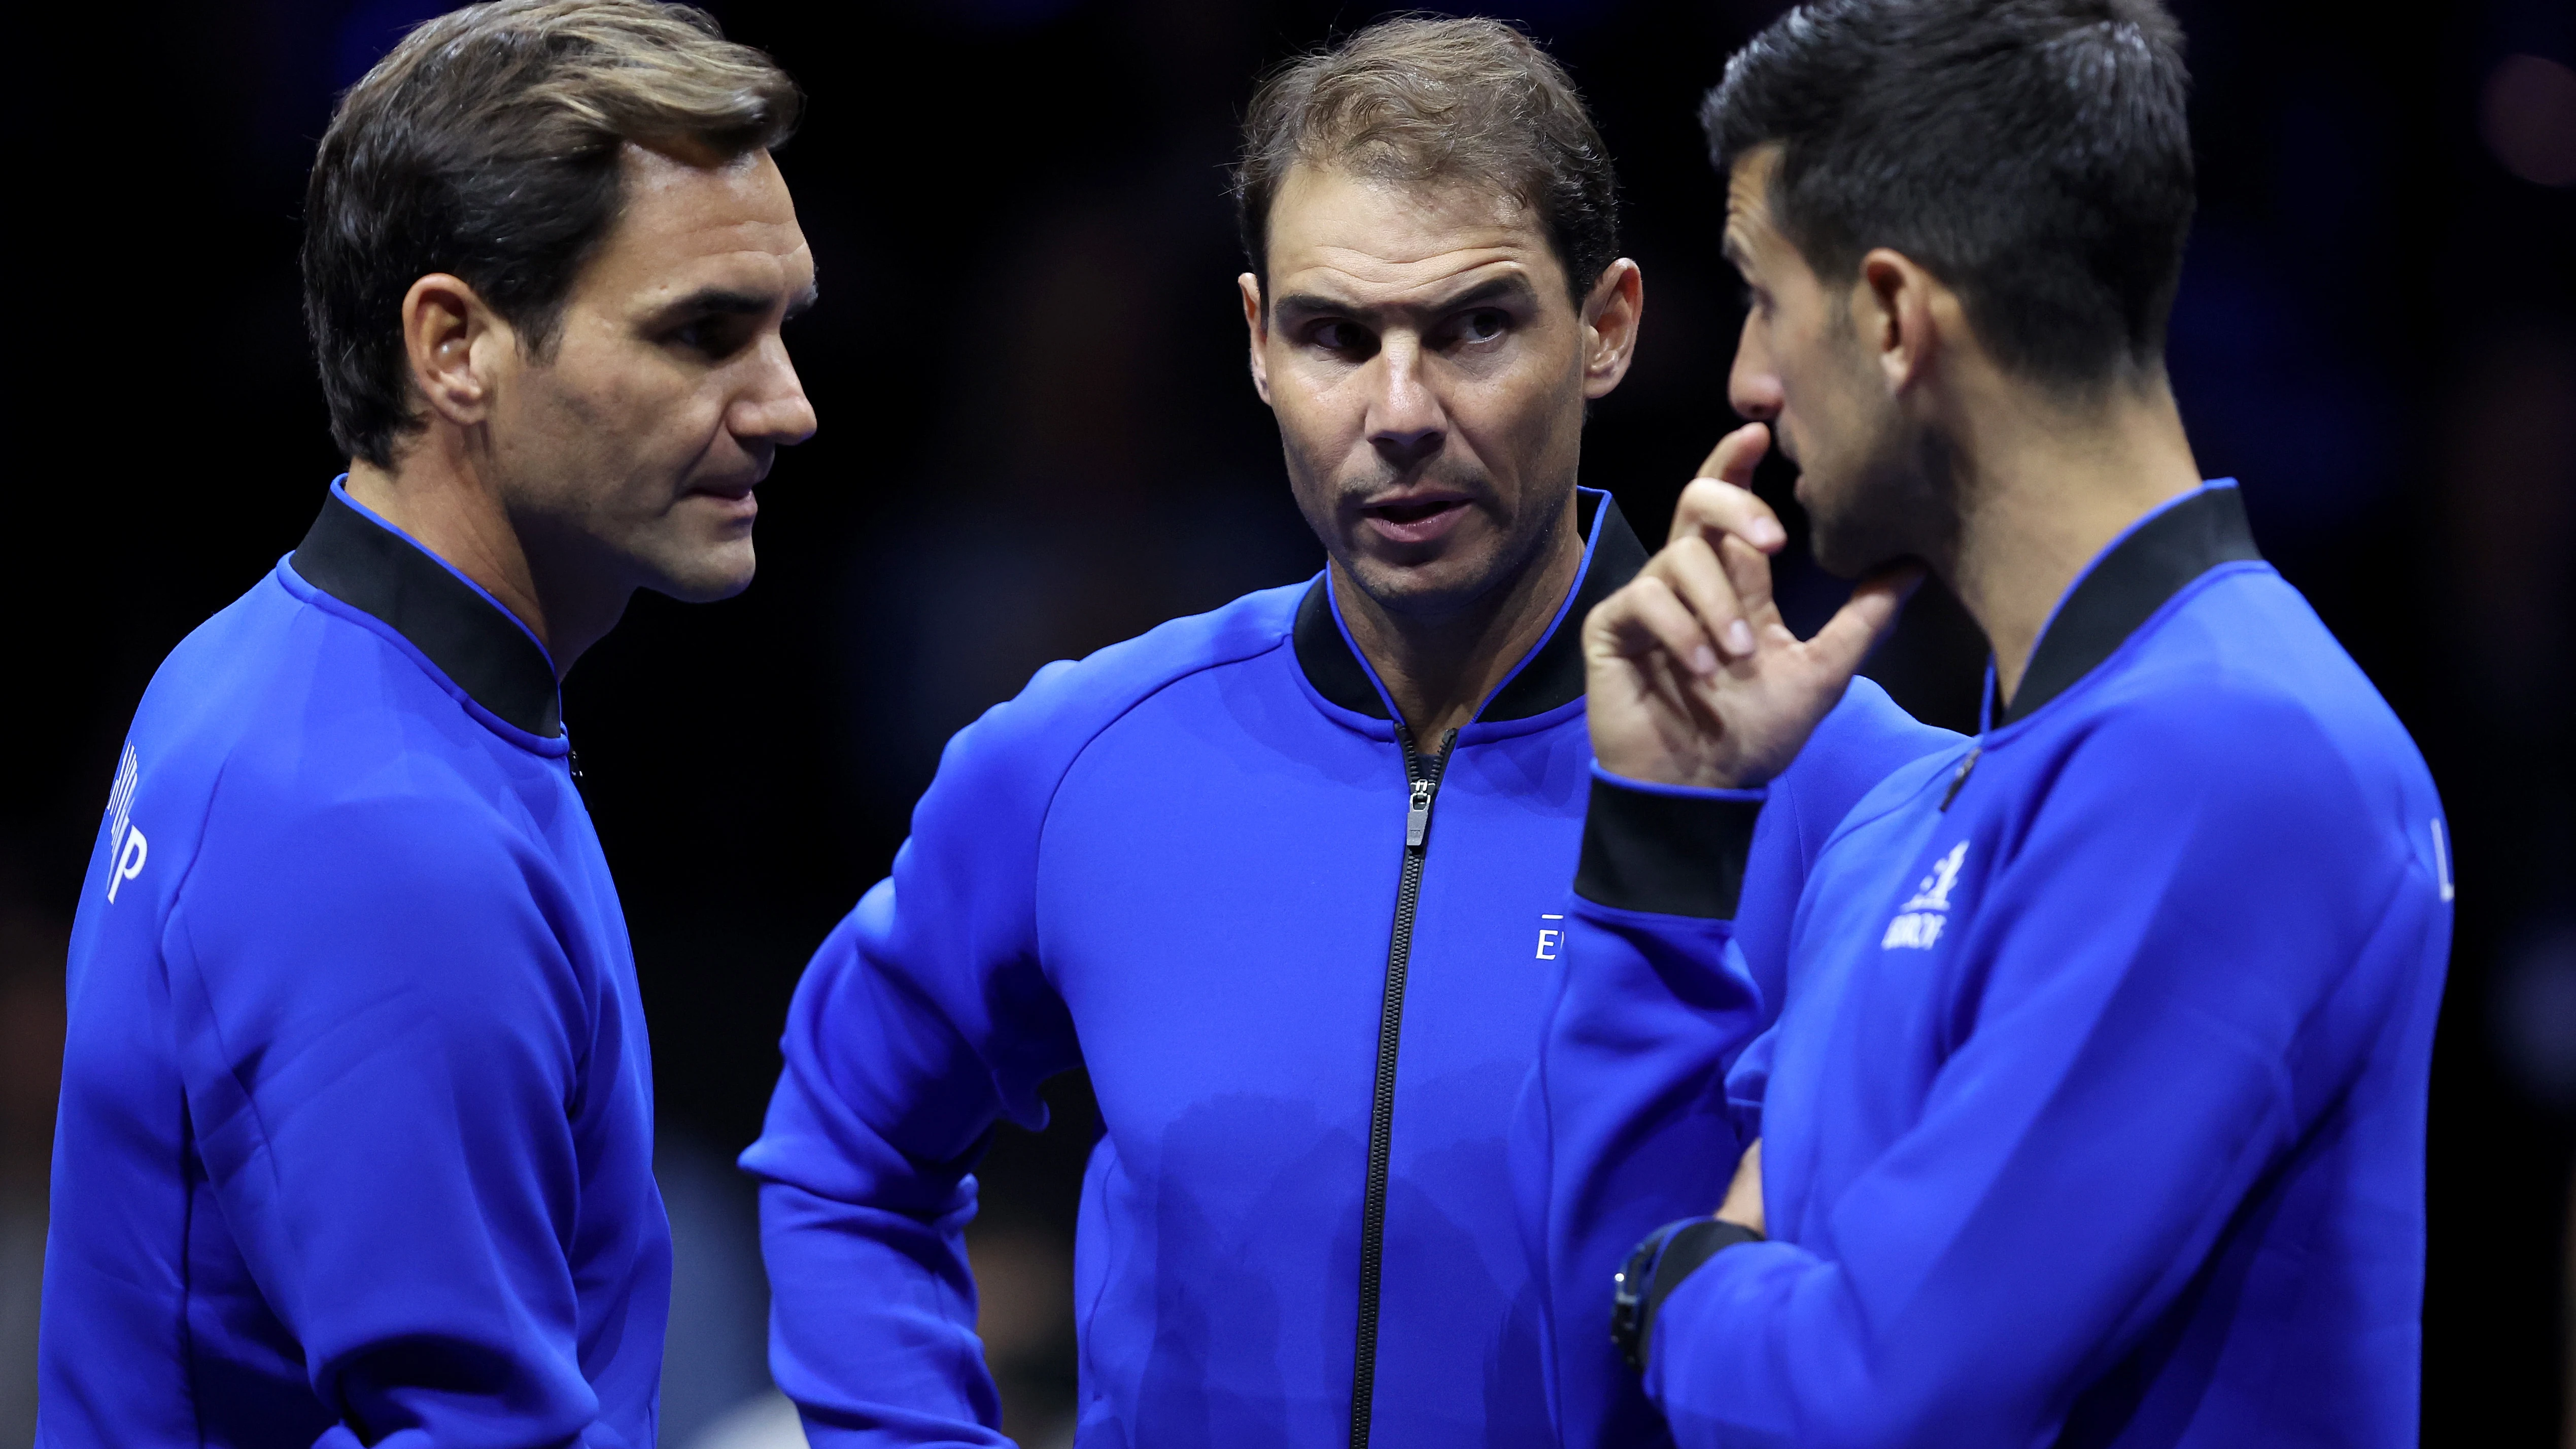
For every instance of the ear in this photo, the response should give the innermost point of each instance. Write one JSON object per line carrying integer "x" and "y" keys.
{"x": 1610, "y": 319}
{"x": 456, "y": 343}
{"x": 1256, "y": 323}
{"x": 1901, "y": 313}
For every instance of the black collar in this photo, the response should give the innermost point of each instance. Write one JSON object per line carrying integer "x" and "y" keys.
{"x": 2128, "y": 584}
{"x": 367, "y": 566}
{"x": 1554, "y": 674}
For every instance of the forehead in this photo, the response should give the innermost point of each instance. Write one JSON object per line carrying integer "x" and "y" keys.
{"x": 1330, "y": 229}
{"x": 682, "y": 224}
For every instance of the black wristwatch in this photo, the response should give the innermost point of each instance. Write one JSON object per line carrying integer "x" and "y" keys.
{"x": 1667, "y": 1256}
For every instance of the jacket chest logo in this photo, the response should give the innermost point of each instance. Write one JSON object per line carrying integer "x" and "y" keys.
{"x": 1918, "y": 922}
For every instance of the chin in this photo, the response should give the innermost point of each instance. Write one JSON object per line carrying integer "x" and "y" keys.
{"x": 718, "y": 573}
{"x": 1432, "y": 587}
{"x": 1886, "y": 509}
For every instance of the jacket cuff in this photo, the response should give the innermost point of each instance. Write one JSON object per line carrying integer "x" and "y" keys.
{"x": 1665, "y": 850}
{"x": 1684, "y": 1253}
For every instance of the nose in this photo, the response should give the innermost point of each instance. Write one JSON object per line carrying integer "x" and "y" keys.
{"x": 774, "y": 409}
{"x": 1406, "y": 423}
{"x": 1753, "y": 384}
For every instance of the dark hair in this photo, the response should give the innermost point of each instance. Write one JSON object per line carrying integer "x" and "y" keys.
{"x": 487, "y": 145}
{"x": 2033, "y": 154}
{"x": 1419, "y": 100}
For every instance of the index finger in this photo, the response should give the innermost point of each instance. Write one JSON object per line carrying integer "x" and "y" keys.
{"x": 1716, "y": 509}
{"x": 1736, "y": 454}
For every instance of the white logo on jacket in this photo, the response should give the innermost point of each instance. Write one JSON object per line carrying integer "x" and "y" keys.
{"x": 126, "y": 847}
{"x": 1919, "y": 921}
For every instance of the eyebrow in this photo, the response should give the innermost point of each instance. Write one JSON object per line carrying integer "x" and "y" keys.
{"x": 1513, "y": 285}
{"x": 725, "y": 302}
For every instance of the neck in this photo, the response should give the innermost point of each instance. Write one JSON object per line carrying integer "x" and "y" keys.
{"x": 1439, "y": 668}
{"x": 2043, "y": 488}
{"x": 438, "y": 493}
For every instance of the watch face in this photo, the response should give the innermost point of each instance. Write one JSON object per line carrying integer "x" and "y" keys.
{"x": 1628, "y": 1298}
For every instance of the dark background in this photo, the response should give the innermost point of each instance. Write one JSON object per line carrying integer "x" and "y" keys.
{"x": 1037, "y": 438}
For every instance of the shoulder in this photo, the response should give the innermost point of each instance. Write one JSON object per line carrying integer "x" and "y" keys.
{"x": 269, "y": 718}
{"x": 324, "y": 760}
{"x": 2260, "y": 740}
{"x": 1866, "y": 738}
{"x": 1031, "y": 739}
{"x": 1868, "y": 733}
{"x": 2242, "y": 681}
{"x": 276, "y": 674}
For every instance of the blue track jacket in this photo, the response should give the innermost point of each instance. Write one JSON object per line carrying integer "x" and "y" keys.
{"x": 356, "y": 1134}
{"x": 1305, "y": 964}
{"x": 2096, "y": 1112}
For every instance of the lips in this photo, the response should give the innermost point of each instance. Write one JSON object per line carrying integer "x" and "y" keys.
{"x": 1415, "y": 518}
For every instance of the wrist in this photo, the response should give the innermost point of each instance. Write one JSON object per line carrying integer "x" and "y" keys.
{"x": 1674, "y": 850}
{"x": 1659, "y": 1264}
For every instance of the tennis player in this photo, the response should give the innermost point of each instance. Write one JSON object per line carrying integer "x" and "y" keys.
{"x": 2096, "y": 1112}
{"x": 357, "y": 1111}
{"x": 1287, "y": 877}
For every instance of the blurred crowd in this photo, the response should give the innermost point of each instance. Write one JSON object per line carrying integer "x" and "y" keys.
{"x": 1037, "y": 438}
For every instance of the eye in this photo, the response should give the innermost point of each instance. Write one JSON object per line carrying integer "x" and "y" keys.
{"x": 711, "y": 337}
{"x": 1339, "y": 336}
{"x": 1484, "y": 324}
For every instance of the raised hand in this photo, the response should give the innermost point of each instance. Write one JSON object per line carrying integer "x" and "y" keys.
{"x": 1693, "y": 678}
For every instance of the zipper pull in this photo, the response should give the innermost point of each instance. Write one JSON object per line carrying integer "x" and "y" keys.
{"x": 1417, "y": 816}
{"x": 1961, "y": 778}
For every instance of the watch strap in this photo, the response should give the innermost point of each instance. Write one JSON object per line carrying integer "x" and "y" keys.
{"x": 1668, "y": 1255}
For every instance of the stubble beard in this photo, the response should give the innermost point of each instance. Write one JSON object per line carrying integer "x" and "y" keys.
{"x": 1900, "y": 501}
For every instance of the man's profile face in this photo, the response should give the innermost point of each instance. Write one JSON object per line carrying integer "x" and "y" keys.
{"x": 1800, "y": 366}
{"x": 632, "y": 447}
{"x": 1426, "y": 364}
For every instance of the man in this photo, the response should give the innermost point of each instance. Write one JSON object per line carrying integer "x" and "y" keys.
{"x": 1287, "y": 877}
{"x": 2096, "y": 1112}
{"x": 356, "y": 1128}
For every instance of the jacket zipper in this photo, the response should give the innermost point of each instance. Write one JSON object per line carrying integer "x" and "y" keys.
{"x": 1422, "y": 782}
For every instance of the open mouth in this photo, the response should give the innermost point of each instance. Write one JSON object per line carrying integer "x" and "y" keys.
{"x": 1417, "y": 520}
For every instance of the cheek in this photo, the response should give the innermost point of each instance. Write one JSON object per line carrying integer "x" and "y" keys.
{"x": 1322, "y": 417}
{"x": 1524, "y": 418}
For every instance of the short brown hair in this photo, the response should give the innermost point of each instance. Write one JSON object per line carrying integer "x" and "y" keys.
{"x": 1421, "y": 100}
{"x": 487, "y": 145}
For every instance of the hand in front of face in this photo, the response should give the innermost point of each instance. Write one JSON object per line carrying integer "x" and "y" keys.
{"x": 1693, "y": 678}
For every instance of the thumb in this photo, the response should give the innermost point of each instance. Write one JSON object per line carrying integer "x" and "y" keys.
{"x": 1856, "y": 628}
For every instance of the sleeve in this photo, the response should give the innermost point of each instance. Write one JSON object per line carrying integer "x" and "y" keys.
{"x": 2138, "y": 978}
{"x": 923, "y": 1021}
{"x": 1624, "y": 1124}
{"x": 380, "y": 1035}
{"x": 1644, "y": 1090}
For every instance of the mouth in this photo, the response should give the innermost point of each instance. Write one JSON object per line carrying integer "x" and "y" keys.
{"x": 734, "y": 504}
{"x": 1415, "y": 517}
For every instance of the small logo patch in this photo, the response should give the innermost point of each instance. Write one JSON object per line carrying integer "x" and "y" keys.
{"x": 126, "y": 847}
{"x": 1919, "y": 921}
